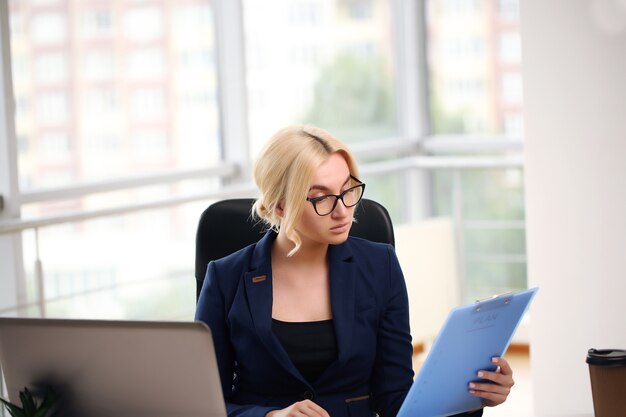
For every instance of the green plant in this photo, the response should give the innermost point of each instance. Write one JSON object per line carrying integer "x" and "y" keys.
{"x": 30, "y": 408}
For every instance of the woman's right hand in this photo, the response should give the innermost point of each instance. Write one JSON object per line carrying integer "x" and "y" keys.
{"x": 300, "y": 409}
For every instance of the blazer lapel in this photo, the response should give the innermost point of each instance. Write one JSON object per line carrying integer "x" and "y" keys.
{"x": 258, "y": 285}
{"x": 342, "y": 297}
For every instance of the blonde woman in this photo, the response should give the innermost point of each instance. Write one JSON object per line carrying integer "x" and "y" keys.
{"x": 309, "y": 321}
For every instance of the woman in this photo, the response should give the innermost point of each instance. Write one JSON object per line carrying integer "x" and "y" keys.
{"x": 310, "y": 322}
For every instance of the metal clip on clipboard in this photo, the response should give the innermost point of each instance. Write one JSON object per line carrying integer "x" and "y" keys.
{"x": 493, "y": 301}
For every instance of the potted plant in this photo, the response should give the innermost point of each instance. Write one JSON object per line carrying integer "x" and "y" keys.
{"x": 30, "y": 407}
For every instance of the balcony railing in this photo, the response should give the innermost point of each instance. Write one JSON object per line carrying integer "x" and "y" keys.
{"x": 381, "y": 149}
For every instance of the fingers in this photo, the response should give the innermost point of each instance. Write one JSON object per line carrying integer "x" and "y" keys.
{"x": 313, "y": 409}
{"x": 501, "y": 376}
{"x": 491, "y": 394}
{"x": 505, "y": 368}
{"x": 498, "y": 386}
{"x": 487, "y": 388}
{"x": 304, "y": 408}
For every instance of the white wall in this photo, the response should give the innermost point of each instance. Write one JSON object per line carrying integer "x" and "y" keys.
{"x": 574, "y": 54}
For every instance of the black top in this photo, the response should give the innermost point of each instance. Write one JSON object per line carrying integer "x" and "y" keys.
{"x": 311, "y": 346}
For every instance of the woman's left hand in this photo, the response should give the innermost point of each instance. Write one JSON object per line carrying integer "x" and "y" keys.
{"x": 497, "y": 386}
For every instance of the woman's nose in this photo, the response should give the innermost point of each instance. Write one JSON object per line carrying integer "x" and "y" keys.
{"x": 340, "y": 209}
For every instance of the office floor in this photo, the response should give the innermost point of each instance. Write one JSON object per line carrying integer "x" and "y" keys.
{"x": 519, "y": 403}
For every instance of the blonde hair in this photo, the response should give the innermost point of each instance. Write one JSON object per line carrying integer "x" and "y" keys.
{"x": 283, "y": 172}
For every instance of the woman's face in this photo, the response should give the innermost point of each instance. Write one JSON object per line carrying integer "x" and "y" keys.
{"x": 332, "y": 177}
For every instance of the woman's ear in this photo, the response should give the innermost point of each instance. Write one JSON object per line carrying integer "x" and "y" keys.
{"x": 280, "y": 211}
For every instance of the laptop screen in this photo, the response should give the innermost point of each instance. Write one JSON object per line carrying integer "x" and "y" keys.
{"x": 115, "y": 368}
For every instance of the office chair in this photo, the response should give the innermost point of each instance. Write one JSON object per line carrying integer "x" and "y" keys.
{"x": 227, "y": 226}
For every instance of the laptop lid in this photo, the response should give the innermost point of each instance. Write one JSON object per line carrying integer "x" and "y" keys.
{"x": 469, "y": 338}
{"x": 115, "y": 368}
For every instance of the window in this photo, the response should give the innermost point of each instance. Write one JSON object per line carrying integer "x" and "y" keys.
{"x": 51, "y": 68}
{"x": 98, "y": 100}
{"x": 462, "y": 6}
{"x": 55, "y": 146}
{"x": 195, "y": 60}
{"x": 20, "y": 68}
{"x": 17, "y": 24}
{"x": 98, "y": 65}
{"x": 113, "y": 92}
{"x": 150, "y": 146}
{"x": 143, "y": 25}
{"x": 97, "y": 23}
{"x": 147, "y": 104}
{"x": 510, "y": 47}
{"x": 460, "y": 68}
{"x": 314, "y": 63}
{"x": 511, "y": 87}
{"x": 358, "y": 9}
{"x": 468, "y": 47}
{"x": 53, "y": 108}
{"x": 513, "y": 124}
{"x": 22, "y": 108}
{"x": 193, "y": 26}
{"x": 124, "y": 65}
{"x": 303, "y": 13}
{"x": 101, "y": 142}
{"x": 48, "y": 28}
{"x": 509, "y": 9}
{"x": 146, "y": 64}
{"x": 473, "y": 94}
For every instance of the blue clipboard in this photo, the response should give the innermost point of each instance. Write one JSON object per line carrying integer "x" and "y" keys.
{"x": 470, "y": 337}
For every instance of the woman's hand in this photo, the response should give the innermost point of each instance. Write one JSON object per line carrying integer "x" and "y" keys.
{"x": 300, "y": 409}
{"x": 496, "y": 391}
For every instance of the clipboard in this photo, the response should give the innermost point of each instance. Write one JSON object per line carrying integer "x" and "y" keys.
{"x": 470, "y": 337}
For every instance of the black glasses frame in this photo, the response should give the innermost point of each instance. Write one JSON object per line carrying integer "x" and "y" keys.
{"x": 315, "y": 200}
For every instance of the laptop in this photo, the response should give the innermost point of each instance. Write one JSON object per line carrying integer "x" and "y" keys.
{"x": 470, "y": 337}
{"x": 115, "y": 368}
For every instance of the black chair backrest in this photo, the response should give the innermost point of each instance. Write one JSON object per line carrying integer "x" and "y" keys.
{"x": 227, "y": 226}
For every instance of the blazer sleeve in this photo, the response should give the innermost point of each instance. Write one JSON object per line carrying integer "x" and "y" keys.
{"x": 212, "y": 309}
{"x": 393, "y": 370}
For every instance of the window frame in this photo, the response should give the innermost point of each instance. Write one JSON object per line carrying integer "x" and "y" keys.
{"x": 414, "y": 121}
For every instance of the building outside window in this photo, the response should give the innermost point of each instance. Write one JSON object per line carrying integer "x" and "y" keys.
{"x": 98, "y": 101}
{"x": 479, "y": 93}
{"x": 134, "y": 93}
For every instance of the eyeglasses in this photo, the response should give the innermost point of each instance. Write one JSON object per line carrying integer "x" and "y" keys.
{"x": 325, "y": 204}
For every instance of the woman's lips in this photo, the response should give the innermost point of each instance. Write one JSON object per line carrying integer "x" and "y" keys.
{"x": 341, "y": 228}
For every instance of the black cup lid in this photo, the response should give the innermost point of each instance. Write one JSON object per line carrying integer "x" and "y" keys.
{"x": 606, "y": 357}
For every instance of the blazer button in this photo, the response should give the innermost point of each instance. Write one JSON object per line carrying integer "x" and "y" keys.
{"x": 307, "y": 395}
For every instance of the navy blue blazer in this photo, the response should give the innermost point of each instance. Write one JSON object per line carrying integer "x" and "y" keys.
{"x": 373, "y": 371}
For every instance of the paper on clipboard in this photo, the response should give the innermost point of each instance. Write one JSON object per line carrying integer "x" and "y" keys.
{"x": 470, "y": 337}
